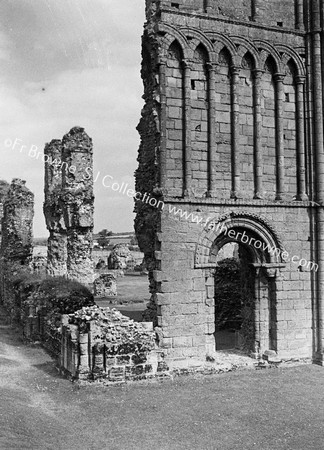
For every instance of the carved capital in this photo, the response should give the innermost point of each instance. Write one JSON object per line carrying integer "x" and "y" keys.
{"x": 162, "y": 61}
{"x": 300, "y": 79}
{"x": 278, "y": 77}
{"x": 186, "y": 64}
{"x": 270, "y": 272}
{"x": 211, "y": 66}
{"x": 235, "y": 71}
{"x": 257, "y": 73}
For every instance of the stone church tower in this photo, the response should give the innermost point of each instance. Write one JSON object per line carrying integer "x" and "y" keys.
{"x": 232, "y": 151}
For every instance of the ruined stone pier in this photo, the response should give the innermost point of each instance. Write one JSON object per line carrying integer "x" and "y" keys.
{"x": 78, "y": 203}
{"x": 57, "y": 241}
{"x": 69, "y": 205}
{"x": 17, "y": 236}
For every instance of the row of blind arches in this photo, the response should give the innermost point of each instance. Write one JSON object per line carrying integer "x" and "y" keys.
{"x": 200, "y": 64}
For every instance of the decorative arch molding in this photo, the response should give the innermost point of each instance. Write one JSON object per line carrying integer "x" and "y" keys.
{"x": 288, "y": 54}
{"x": 194, "y": 44}
{"x": 265, "y": 50}
{"x": 222, "y": 41}
{"x": 199, "y": 38}
{"x": 245, "y": 46}
{"x": 259, "y": 226}
{"x": 173, "y": 34}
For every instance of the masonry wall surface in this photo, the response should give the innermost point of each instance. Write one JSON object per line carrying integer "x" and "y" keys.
{"x": 233, "y": 136}
{"x": 16, "y": 240}
{"x": 69, "y": 205}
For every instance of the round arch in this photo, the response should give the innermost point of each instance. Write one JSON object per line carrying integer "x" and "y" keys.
{"x": 173, "y": 34}
{"x": 258, "y": 330}
{"x": 197, "y": 39}
{"x": 244, "y": 228}
{"x": 288, "y": 54}
{"x": 267, "y": 50}
{"x": 219, "y": 42}
{"x": 244, "y": 47}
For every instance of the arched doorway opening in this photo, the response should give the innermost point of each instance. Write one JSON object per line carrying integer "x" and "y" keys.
{"x": 251, "y": 322}
{"x": 258, "y": 255}
{"x": 234, "y": 299}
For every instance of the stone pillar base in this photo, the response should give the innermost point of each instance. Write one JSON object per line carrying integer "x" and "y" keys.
{"x": 319, "y": 359}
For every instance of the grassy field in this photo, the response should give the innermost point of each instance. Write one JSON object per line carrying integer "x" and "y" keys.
{"x": 277, "y": 409}
{"x": 133, "y": 295}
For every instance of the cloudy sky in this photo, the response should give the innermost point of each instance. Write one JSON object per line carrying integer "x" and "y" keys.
{"x": 66, "y": 63}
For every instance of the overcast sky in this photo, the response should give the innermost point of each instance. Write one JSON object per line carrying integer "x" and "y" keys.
{"x": 66, "y": 63}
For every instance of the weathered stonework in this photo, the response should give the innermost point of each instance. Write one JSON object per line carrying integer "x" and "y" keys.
{"x": 4, "y": 188}
{"x": 119, "y": 257}
{"x": 101, "y": 344}
{"x": 57, "y": 241}
{"x": 17, "y": 237}
{"x": 232, "y": 133}
{"x": 105, "y": 285}
{"x": 69, "y": 206}
{"x": 78, "y": 203}
{"x": 39, "y": 265}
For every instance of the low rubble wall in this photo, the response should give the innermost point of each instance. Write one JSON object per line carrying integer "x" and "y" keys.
{"x": 100, "y": 344}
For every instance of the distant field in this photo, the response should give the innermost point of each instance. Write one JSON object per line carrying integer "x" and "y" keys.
{"x": 133, "y": 295}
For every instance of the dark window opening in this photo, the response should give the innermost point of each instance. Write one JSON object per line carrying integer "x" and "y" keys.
{"x": 280, "y": 24}
{"x": 287, "y": 99}
{"x": 175, "y": 5}
{"x": 193, "y": 85}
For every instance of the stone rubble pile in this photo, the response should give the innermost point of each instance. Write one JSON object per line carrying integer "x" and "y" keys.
{"x": 101, "y": 344}
{"x": 105, "y": 285}
{"x": 116, "y": 331}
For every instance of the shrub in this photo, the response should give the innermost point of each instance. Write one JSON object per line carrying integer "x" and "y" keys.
{"x": 56, "y": 295}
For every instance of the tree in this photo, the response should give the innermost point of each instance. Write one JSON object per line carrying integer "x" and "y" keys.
{"x": 103, "y": 238}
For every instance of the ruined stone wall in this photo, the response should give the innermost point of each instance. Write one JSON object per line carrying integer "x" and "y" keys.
{"x": 69, "y": 205}
{"x": 17, "y": 237}
{"x": 78, "y": 203}
{"x": 101, "y": 344}
{"x": 186, "y": 289}
{"x": 4, "y": 187}
{"x": 57, "y": 241}
{"x": 272, "y": 13}
{"x": 231, "y": 93}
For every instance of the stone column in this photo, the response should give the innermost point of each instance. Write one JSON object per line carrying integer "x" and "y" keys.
{"x": 300, "y": 14}
{"x": 235, "y": 132}
{"x": 255, "y": 14}
{"x": 300, "y": 129}
{"x": 187, "y": 127}
{"x": 17, "y": 236}
{"x": 258, "y": 166}
{"x": 212, "y": 147}
{"x": 319, "y": 170}
{"x": 57, "y": 241}
{"x": 208, "y": 6}
{"x": 257, "y": 309}
{"x": 78, "y": 203}
{"x": 163, "y": 141}
{"x": 279, "y": 135}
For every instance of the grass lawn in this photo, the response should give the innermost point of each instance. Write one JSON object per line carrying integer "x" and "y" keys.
{"x": 274, "y": 409}
{"x": 133, "y": 296}
{"x": 277, "y": 409}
